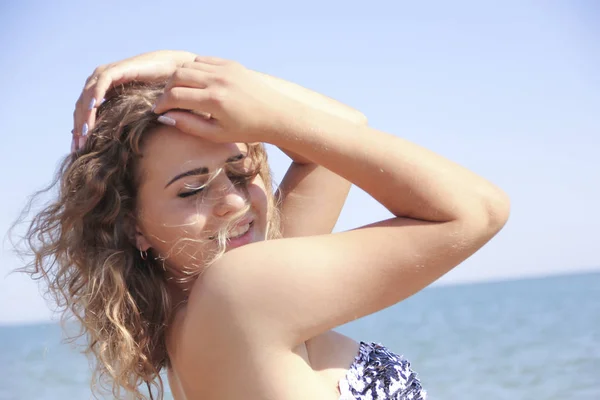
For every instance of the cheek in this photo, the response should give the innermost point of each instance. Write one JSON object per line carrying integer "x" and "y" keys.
{"x": 175, "y": 224}
{"x": 257, "y": 193}
{"x": 259, "y": 201}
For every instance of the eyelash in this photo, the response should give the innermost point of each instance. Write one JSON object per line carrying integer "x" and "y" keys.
{"x": 189, "y": 194}
{"x": 236, "y": 178}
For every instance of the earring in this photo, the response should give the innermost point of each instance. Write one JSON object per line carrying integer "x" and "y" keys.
{"x": 144, "y": 255}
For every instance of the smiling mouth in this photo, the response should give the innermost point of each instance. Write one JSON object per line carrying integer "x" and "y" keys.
{"x": 237, "y": 232}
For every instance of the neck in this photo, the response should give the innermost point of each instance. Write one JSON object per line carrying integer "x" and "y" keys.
{"x": 179, "y": 291}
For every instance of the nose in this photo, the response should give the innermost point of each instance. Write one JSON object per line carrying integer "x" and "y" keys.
{"x": 230, "y": 198}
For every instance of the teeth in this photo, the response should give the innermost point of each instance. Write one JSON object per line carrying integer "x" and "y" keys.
{"x": 239, "y": 231}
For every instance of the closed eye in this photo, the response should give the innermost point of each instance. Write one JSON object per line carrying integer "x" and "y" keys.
{"x": 241, "y": 178}
{"x": 183, "y": 195}
{"x": 192, "y": 189}
{"x": 237, "y": 177}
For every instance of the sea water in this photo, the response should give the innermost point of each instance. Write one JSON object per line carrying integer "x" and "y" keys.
{"x": 526, "y": 339}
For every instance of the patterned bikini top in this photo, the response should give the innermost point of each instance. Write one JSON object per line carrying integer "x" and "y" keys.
{"x": 378, "y": 374}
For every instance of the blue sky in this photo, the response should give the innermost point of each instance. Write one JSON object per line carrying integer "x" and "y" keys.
{"x": 509, "y": 89}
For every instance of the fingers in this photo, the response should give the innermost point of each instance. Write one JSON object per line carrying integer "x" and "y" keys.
{"x": 212, "y": 60}
{"x": 106, "y": 77}
{"x": 77, "y": 142}
{"x": 205, "y": 115}
{"x": 84, "y": 115}
{"x": 84, "y": 105}
{"x": 185, "y": 98}
{"x": 127, "y": 72}
{"x": 77, "y": 118}
{"x": 188, "y": 89}
{"x": 210, "y": 68}
{"x": 197, "y": 75}
{"x": 188, "y": 77}
{"x": 73, "y": 143}
{"x": 104, "y": 82}
{"x": 191, "y": 124}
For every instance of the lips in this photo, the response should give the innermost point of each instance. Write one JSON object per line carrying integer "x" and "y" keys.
{"x": 239, "y": 230}
{"x": 244, "y": 238}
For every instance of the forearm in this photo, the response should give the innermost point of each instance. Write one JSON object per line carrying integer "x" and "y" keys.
{"x": 312, "y": 195}
{"x": 315, "y": 100}
{"x": 312, "y": 99}
{"x": 404, "y": 177}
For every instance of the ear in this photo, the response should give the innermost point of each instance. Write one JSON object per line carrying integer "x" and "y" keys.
{"x": 140, "y": 240}
{"x": 135, "y": 235}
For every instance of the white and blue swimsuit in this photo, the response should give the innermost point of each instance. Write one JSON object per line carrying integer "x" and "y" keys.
{"x": 378, "y": 374}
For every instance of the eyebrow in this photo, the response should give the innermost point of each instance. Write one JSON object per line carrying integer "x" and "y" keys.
{"x": 202, "y": 170}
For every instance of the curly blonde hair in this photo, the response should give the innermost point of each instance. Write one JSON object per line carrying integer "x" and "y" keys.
{"x": 82, "y": 249}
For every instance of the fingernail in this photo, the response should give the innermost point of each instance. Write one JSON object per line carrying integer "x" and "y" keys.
{"x": 166, "y": 120}
{"x": 102, "y": 101}
{"x": 84, "y": 130}
{"x": 92, "y": 104}
{"x": 73, "y": 146}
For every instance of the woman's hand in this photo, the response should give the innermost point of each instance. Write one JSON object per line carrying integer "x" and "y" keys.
{"x": 148, "y": 67}
{"x": 241, "y": 105}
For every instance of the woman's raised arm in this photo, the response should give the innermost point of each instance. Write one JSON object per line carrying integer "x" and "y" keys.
{"x": 290, "y": 290}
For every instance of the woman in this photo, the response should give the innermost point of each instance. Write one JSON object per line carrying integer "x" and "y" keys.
{"x": 158, "y": 239}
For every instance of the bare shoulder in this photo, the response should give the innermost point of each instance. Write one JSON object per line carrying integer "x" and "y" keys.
{"x": 290, "y": 290}
{"x": 174, "y": 350}
{"x": 206, "y": 353}
{"x": 218, "y": 357}
{"x": 248, "y": 312}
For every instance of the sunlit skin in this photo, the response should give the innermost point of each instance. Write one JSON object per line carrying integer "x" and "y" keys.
{"x": 258, "y": 323}
{"x": 170, "y": 209}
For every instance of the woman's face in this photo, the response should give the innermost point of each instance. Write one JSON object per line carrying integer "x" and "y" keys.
{"x": 177, "y": 221}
